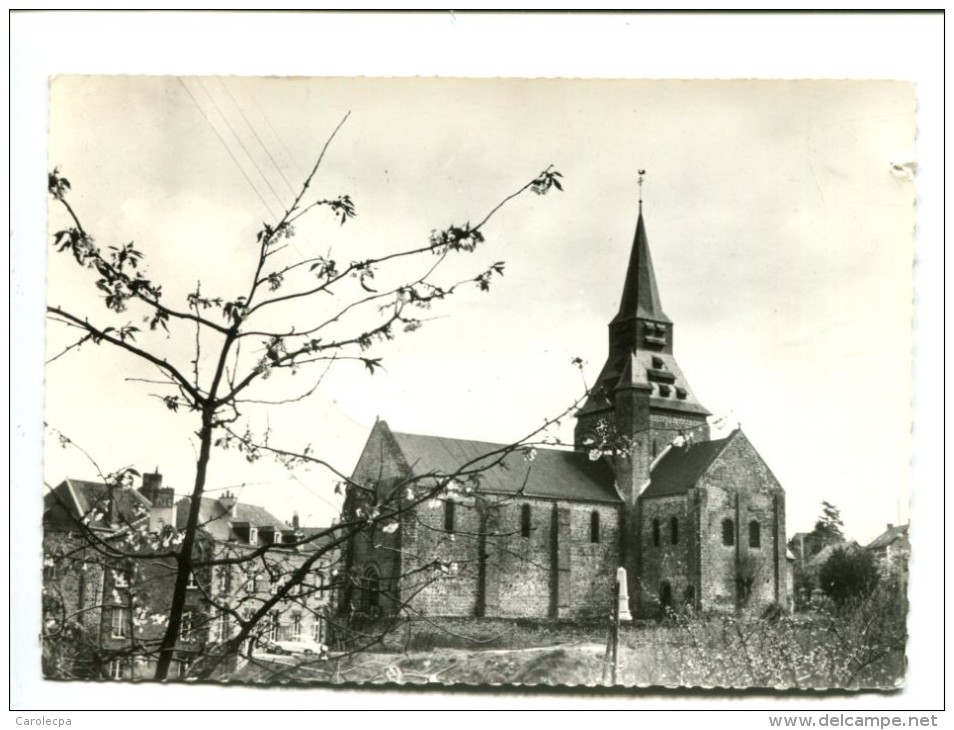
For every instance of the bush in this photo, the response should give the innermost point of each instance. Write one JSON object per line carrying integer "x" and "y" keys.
{"x": 848, "y": 574}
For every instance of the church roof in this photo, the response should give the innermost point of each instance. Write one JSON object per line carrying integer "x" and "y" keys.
{"x": 640, "y": 293}
{"x": 680, "y": 467}
{"x": 550, "y": 474}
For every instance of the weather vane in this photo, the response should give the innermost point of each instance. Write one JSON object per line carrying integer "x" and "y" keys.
{"x": 639, "y": 181}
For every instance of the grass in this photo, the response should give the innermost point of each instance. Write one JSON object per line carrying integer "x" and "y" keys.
{"x": 856, "y": 646}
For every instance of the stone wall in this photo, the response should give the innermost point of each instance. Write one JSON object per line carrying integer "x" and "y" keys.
{"x": 738, "y": 486}
{"x": 487, "y": 565}
{"x": 670, "y": 562}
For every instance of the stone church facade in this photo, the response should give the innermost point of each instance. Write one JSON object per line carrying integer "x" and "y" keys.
{"x": 501, "y": 532}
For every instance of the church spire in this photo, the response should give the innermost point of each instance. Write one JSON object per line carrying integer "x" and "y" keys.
{"x": 640, "y": 293}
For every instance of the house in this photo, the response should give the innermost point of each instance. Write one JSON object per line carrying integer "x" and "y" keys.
{"x": 108, "y": 578}
{"x": 892, "y": 550}
{"x": 696, "y": 521}
{"x": 235, "y": 592}
{"x": 98, "y": 606}
{"x": 805, "y": 545}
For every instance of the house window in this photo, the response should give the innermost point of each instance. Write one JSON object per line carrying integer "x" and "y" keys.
{"x": 318, "y": 629}
{"x": 449, "y": 516}
{"x": 49, "y": 569}
{"x": 674, "y": 530}
{"x": 187, "y": 628}
{"x": 274, "y": 629}
{"x": 116, "y": 669}
{"x": 656, "y": 533}
{"x": 594, "y": 526}
{"x": 728, "y": 532}
{"x": 185, "y": 666}
{"x": 755, "y": 534}
{"x": 225, "y": 628}
{"x": 224, "y": 575}
{"x": 253, "y": 536}
{"x": 119, "y": 579}
{"x": 278, "y": 537}
{"x": 296, "y": 627}
{"x": 253, "y": 586}
{"x": 119, "y": 622}
{"x": 191, "y": 583}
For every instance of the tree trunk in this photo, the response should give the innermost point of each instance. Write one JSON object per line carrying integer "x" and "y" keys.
{"x": 184, "y": 568}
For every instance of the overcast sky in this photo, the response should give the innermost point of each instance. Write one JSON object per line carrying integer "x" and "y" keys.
{"x": 767, "y": 234}
{"x": 781, "y": 238}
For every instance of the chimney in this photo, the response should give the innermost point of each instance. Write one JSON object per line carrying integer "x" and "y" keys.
{"x": 890, "y": 526}
{"x": 227, "y": 501}
{"x": 151, "y": 486}
{"x": 295, "y": 523}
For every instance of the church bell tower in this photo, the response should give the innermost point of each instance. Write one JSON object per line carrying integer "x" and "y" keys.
{"x": 641, "y": 401}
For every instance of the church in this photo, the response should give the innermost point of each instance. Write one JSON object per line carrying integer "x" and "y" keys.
{"x": 698, "y": 523}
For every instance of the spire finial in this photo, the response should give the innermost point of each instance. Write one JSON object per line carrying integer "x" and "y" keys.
{"x": 639, "y": 181}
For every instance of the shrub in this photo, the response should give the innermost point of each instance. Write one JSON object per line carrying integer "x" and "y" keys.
{"x": 848, "y": 574}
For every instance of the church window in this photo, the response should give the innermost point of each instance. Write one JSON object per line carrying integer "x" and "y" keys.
{"x": 371, "y": 591}
{"x": 656, "y": 533}
{"x": 449, "y": 516}
{"x": 689, "y": 596}
{"x": 665, "y": 594}
{"x": 755, "y": 534}
{"x": 595, "y": 526}
{"x": 674, "y": 530}
{"x": 525, "y": 521}
{"x": 728, "y": 532}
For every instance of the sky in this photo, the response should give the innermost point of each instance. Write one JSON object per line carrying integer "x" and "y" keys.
{"x": 781, "y": 237}
{"x": 768, "y": 213}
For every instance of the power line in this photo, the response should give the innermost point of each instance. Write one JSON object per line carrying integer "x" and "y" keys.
{"x": 227, "y": 148}
{"x": 257, "y": 137}
{"x": 241, "y": 143}
{"x": 311, "y": 248}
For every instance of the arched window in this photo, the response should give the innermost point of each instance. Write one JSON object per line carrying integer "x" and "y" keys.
{"x": 728, "y": 532}
{"x": 525, "y": 521}
{"x": 656, "y": 533}
{"x": 689, "y": 596}
{"x": 371, "y": 590}
{"x": 755, "y": 534}
{"x": 594, "y": 526}
{"x": 674, "y": 530}
{"x": 665, "y": 594}
{"x": 449, "y": 516}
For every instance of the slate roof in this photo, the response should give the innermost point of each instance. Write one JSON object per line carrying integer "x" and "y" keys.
{"x": 552, "y": 474}
{"x": 312, "y": 546}
{"x": 640, "y": 293}
{"x": 889, "y": 536}
{"x": 680, "y": 467}
{"x": 218, "y": 523}
{"x": 73, "y": 499}
{"x": 821, "y": 557}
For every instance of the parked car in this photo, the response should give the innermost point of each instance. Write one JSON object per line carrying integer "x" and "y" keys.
{"x": 302, "y": 646}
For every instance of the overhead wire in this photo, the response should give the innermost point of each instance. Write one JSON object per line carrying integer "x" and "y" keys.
{"x": 226, "y": 146}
